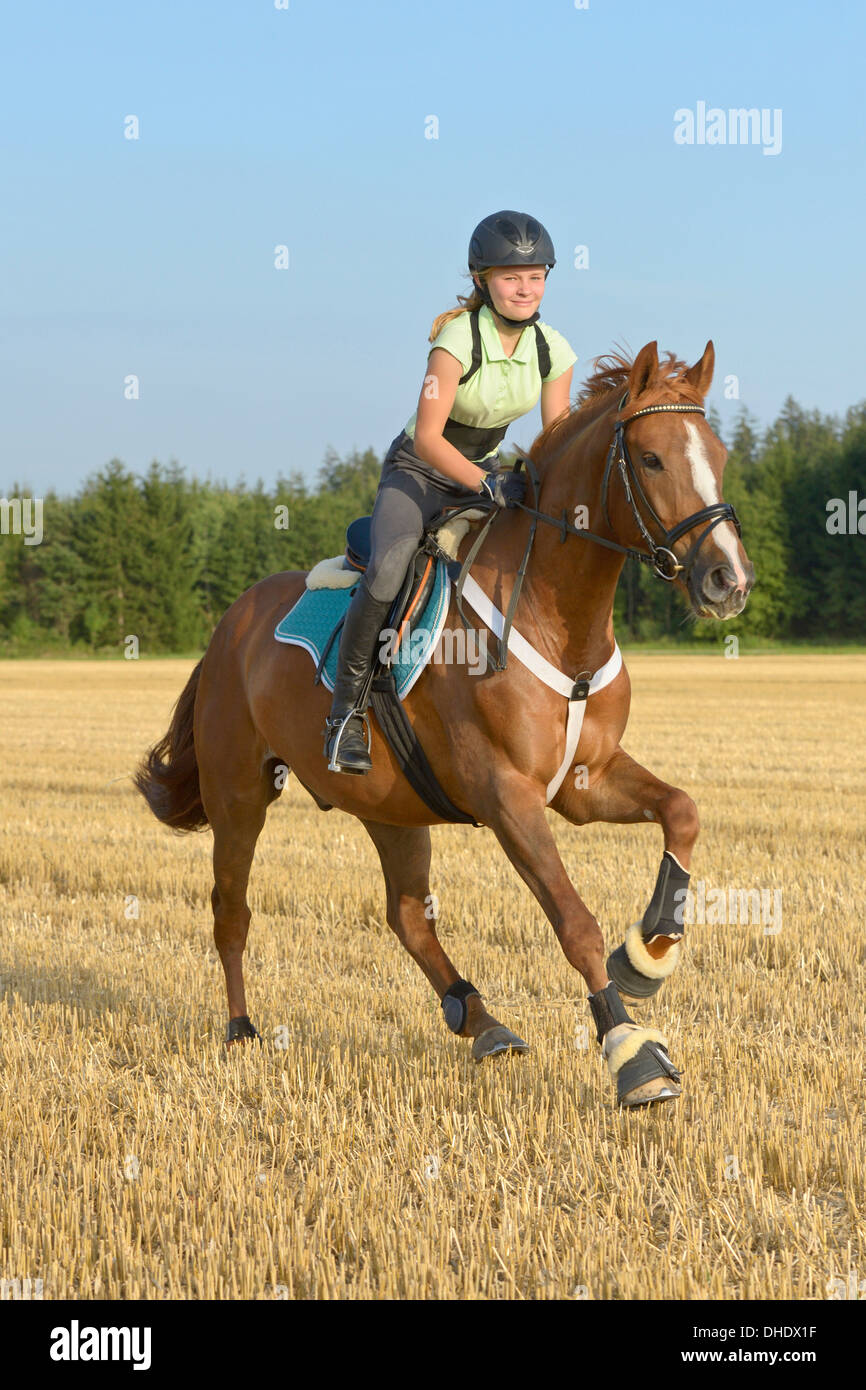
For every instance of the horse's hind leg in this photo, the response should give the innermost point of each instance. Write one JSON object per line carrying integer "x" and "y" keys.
{"x": 236, "y": 795}
{"x": 235, "y": 836}
{"x": 404, "y": 852}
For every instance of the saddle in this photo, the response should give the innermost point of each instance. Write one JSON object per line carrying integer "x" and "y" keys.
{"x": 418, "y": 580}
{"x": 440, "y": 541}
{"x": 439, "y": 546}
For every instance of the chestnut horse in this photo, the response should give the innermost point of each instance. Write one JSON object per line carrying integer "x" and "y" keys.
{"x": 495, "y": 741}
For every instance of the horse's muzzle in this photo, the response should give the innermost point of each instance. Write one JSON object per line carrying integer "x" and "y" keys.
{"x": 716, "y": 592}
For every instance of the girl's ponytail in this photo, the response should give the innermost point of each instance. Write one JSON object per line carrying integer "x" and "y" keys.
{"x": 468, "y": 303}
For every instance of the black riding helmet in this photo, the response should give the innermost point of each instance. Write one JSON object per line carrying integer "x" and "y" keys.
{"x": 509, "y": 238}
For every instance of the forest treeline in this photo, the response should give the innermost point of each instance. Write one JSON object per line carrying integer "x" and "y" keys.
{"x": 161, "y": 556}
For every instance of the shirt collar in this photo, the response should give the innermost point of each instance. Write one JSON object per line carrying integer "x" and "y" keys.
{"x": 493, "y": 343}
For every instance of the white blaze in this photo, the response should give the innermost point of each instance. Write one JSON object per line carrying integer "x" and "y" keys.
{"x": 705, "y": 486}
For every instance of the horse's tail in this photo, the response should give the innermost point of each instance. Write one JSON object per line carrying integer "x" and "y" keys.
{"x": 168, "y": 775}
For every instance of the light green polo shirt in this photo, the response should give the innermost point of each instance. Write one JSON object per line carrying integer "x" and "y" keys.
{"x": 503, "y": 388}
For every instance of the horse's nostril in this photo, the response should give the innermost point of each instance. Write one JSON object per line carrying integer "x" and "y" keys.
{"x": 719, "y": 581}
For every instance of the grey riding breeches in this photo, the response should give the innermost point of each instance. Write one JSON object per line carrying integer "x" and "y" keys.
{"x": 410, "y": 494}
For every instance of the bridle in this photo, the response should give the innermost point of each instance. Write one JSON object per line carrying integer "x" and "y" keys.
{"x": 660, "y": 555}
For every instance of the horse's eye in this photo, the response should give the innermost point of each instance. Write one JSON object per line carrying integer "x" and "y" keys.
{"x": 652, "y": 462}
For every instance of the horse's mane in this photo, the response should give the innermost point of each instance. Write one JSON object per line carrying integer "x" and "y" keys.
{"x": 608, "y": 379}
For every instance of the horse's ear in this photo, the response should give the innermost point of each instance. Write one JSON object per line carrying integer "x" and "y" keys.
{"x": 701, "y": 374}
{"x": 644, "y": 370}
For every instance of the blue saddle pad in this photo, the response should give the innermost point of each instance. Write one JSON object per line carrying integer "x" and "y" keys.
{"x": 315, "y": 615}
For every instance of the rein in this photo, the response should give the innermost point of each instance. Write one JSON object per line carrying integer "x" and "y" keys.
{"x": 662, "y": 558}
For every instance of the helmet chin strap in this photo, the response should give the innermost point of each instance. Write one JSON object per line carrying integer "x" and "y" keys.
{"x": 481, "y": 286}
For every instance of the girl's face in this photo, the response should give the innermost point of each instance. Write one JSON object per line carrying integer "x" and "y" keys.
{"x": 517, "y": 291}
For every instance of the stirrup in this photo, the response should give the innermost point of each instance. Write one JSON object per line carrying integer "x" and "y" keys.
{"x": 334, "y": 730}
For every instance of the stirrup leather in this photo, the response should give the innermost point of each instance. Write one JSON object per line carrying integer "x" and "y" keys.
{"x": 334, "y": 729}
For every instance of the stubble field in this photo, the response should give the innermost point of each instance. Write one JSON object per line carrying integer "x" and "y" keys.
{"x": 361, "y": 1153}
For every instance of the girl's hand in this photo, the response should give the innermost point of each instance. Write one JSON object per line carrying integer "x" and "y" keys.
{"x": 505, "y": 489}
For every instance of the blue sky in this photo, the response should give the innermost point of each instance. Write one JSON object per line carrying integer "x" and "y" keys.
{"x": 306, "y": 127}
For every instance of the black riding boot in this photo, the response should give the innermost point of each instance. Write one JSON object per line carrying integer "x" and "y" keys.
{"x": 345, "y": 740}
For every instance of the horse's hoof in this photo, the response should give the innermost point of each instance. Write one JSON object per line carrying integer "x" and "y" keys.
{"x": 650, "y": 1092}
{"x": 239, "y": 1030}
{"x": 639, "y": 1064}
{"x": 495, "y": 1040}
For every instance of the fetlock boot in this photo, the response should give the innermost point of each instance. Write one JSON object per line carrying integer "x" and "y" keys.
{"x": 345, "y": 737}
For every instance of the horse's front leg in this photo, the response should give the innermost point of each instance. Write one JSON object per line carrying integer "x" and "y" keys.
{"x": 627, "y": 794}
{"x": 637, "y": 1057}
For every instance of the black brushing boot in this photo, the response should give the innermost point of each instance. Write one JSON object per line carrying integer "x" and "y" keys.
{"x": 637, "y": 1058}
{"x": 345, "y": 738}
{"x": 637, "y": 974}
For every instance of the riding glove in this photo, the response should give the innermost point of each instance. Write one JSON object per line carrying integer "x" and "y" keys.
{"x": 506, "y": 489}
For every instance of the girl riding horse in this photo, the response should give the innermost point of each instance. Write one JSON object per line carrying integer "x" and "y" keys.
{"x": 489, "y": 362}
{"x": 542, "y": 733}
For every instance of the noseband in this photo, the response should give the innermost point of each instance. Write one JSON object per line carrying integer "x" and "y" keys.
{"x": 661, "y": 557}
